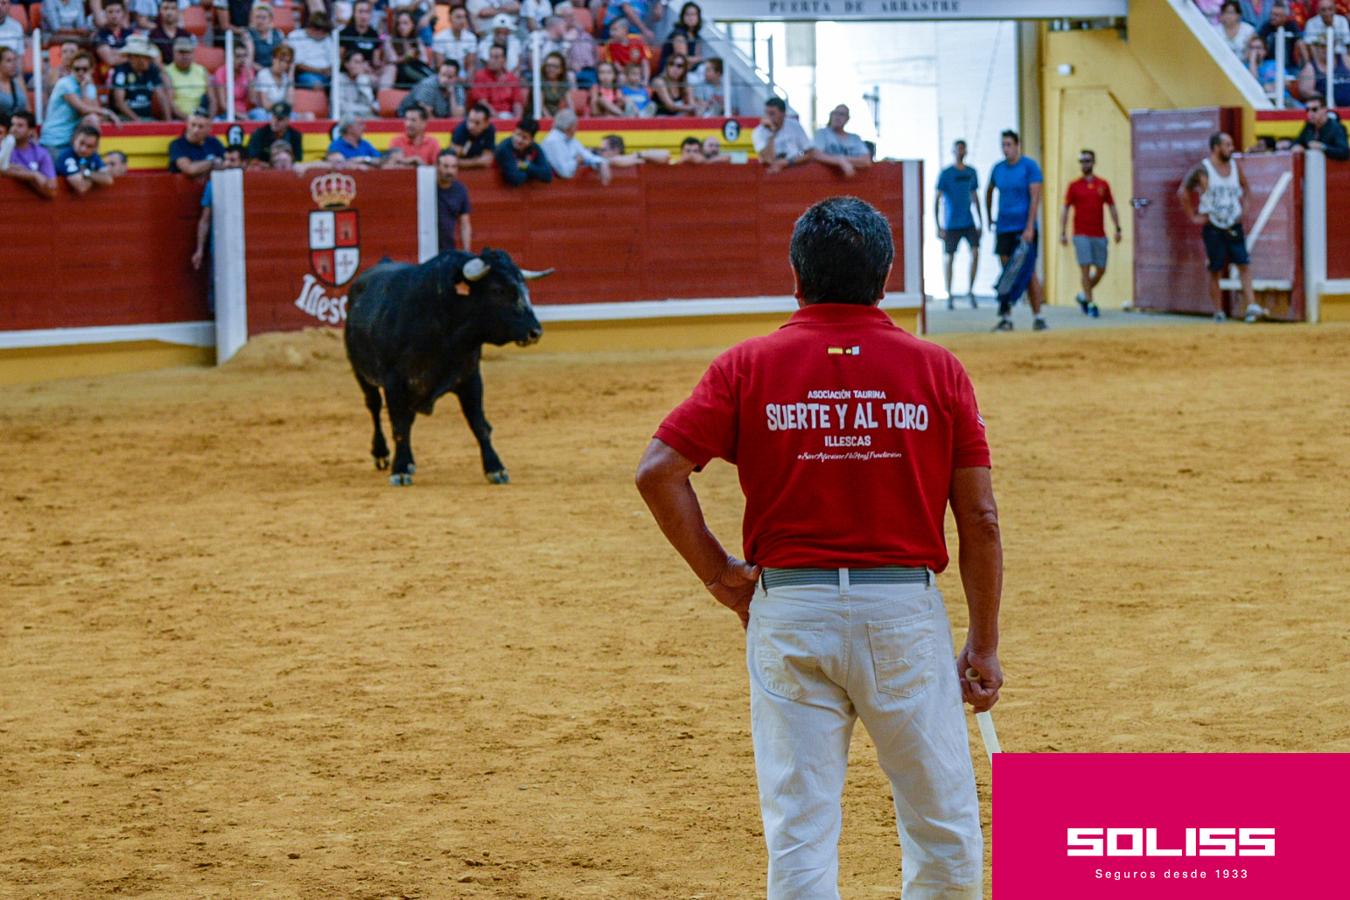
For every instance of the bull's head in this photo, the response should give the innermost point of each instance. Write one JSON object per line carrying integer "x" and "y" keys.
{"x": 499, "y": 288}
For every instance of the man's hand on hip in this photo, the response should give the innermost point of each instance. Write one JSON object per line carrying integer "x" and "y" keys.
{"x": 982, "y": 694}
{"x": 734, "y": 587}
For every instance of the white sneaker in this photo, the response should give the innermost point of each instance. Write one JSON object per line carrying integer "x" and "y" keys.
{"x": 1255, "y": 313}
{"x": 1220, "y": 317}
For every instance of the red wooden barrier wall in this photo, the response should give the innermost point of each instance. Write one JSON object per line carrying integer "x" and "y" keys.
{"x": 1338, "y": 219}
{"x": 112, "y": 257}
{"x": 121, "y": 256}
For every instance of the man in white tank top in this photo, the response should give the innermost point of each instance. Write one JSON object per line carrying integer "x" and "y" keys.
{"x": 1223, "y": 201}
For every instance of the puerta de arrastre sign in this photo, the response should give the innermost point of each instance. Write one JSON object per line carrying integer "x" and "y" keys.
{"x": 808, "y": 10}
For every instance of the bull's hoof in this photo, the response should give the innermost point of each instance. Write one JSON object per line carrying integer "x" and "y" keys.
{"x": 499, "y": 477}
{"x": 401, "y": 479}
{"x": 381, "y": 463}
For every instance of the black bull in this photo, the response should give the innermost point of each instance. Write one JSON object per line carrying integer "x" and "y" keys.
{"x": 417, "y": 332}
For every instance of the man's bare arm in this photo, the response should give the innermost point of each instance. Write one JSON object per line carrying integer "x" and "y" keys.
{"x": 981, "y": 563}
{"x": 663, "y": 480}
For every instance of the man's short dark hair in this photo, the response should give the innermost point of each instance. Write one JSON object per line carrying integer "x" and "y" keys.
{"x": 1009, "y": 133}
{"x": 1215, "y": 139}
{"x": 1313, "y": 96}
{"x": 4, "y": 120}
{"x": 842, "y": 251}
{"x": 614, "y": 142}
{"x": 447, "y": 152}
{"x": 528, "y": 125}
{"x": 1091, "y": 153}
{"x": 958, "y": 143}
{"x": 481, "y": 107}
{"x": 454, "y": 64}
{"x": 87, "y": 131}
{"x": 116, "y": 154}
{"x": 235, "y": 148}
{"x": 777, "y": 103}
{"x": 416, "y": 109}
{"x": 108, "y": 3}
{"x": 26, "y": 115}
{"x": 691, "y": 141}
{"x": 714, "y": 63}
{"x": 1237, "y": 7}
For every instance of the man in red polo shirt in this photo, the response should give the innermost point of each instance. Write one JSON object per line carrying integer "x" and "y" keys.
{"x": 1087, "y": 197}
{"x": 497, "y": 88}
{"x": 850, "y": 437}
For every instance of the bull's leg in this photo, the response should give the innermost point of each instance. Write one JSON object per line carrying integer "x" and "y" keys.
{"x": 401, "y": 415}
{"x": 378, "y": 448}
{"x": 470, "y": 393}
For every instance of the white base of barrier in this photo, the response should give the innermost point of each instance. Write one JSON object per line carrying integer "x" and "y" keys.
{"x": 191, "y": 334}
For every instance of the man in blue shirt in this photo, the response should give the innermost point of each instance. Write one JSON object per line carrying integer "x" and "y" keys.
{"x": 1018, "y": 182}
{"x": 80, "y": 165}
{"x": 958, "y": 192}
{"x": 197, "y": 152}
{"x": 350, "y": 148}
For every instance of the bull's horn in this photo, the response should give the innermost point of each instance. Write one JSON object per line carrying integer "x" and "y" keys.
{"x": 475, "y": 269}
{"x": 531, "y": 274}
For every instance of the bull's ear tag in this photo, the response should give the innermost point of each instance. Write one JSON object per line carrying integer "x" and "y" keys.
{"x": 461, "y": 288}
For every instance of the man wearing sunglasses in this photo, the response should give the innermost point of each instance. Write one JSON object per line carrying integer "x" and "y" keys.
{"x": 74, "y": 96}
{"x": 1087, "y": 197}
{"x": 1322, "y": 132}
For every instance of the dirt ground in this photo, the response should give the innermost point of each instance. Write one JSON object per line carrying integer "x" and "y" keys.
{"x": 235, "y": 662}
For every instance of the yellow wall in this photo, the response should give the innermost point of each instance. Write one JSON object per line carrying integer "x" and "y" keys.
{"x": 1159, "y": 65}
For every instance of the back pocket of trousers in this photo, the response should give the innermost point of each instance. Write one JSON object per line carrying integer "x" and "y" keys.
{"x": 902, "y": 654}
{"x": 785, "y": 656}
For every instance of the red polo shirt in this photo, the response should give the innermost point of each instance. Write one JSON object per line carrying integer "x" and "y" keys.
{"x": 1088, "y": 199}
{"x": 499, "y": 91}
{"x": 845, "y": 430}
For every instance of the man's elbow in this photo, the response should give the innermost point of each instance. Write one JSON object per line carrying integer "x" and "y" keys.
{"x": 980, "y": 525}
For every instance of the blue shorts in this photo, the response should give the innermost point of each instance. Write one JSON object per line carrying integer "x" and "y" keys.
{"x": 1225, "y": 246}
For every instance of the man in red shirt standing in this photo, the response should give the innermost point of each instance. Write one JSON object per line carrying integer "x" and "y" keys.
{"x": 1086, "y": 197}
{"x": 850, "y": 437}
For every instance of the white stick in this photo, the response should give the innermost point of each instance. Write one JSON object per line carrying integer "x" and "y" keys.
{"x": 38, "y": 106}
{"x": 229, "y": 75}
{"x": 986, "y": 723}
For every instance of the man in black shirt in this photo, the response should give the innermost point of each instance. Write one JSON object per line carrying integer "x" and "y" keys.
{"x": 360, "y": 35}
{"x": 475, "y": 139}
{"x": 279, "y": 129}
{"x": 453, "y": 227}
{"x": 1321, "y": 131}
{"x": 1295, "y": 53}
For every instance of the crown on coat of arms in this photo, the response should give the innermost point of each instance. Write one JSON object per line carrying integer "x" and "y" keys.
{"x": 333, "y": 190}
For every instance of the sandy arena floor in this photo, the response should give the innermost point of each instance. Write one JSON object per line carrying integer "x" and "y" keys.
{"x": 235, "y": 662}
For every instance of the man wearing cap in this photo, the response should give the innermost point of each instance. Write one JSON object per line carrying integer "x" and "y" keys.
{"x": 314, "y": 53}
{"x": 851, "y": 438}
{"x": 482, "y": 12}
{"x": 278, "y": 129}
{"x": 565, "y": 154}
{"x": 137, "y": 83}
{"x": 503, "y": 33}
{"x": 188, "y": 81}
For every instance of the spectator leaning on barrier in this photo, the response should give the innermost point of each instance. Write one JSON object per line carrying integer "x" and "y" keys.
{"x": 29, "y": 161}
{"x": 278, "y": 129}
{"x": 314, "y": 52}
{"x": 566, "y": 154}
{"x": 281, "y": 158}
{"x": 440, "y": 96}
{"x": 414, "y": 147}
{"x": 13, "y": 97}
{"x": 73, "y": 96}
{"x": 189, "y": 82}
{"x": 614, "y": 151}
{"x": 520, "y": 159}
{"x": 1321, "y": 131}
{"x": 454, "y": 231}
{"x": 457, "y": 42}
{"x": 197, "y": 151}
{"x": 81, "y": 166}
{"x": 138, "y": 85}
{"x": 116, "y": 161}
{"x": 780, "y": 141}
{"x": 841, "y": 149}
{"x": 475, "y": 139}
{"x": 350, "y": 148}
{"x": 499, "y": 89}
{"x": 233, "y": 159}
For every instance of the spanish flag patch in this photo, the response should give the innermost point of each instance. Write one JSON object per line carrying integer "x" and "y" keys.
{"x": 855, "y": 350}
